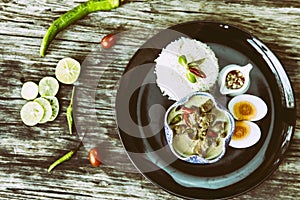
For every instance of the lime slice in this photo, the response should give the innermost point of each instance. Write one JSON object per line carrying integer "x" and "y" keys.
{"x": 55, "y": 106}
{"x": 67, "y": 70}
{"x": 48, "y": 86}
{"x": 32, "y": 113}
{"x": 47, "y": 109}
{"x": 29, "y": 90}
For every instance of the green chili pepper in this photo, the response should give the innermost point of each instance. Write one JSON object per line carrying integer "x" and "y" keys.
{"x": 191, "y": 77}
{"x": 70, "y": 112}
{"x": 72, "y": 16}
{"x": 176, "y": 119}
{"x": 62, "y": 159}
{"x": 66, "y": 157}
{"x": 182, "y": 60}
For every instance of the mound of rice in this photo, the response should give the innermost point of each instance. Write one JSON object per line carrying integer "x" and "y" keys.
{"x": 171, "y": 76}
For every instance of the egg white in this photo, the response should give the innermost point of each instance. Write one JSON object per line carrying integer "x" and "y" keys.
{"x": 252, "y": 138}
{"x": 258, "y": 103}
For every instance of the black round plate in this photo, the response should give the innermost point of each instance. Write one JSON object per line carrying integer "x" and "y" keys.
{"x": 140, "y": 109}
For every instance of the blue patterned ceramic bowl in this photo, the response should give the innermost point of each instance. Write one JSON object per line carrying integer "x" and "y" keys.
{"x": 198, "y": 129}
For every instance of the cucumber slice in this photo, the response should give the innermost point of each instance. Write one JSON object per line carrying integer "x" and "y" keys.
{"x": 31, "y": 113}
{"x": 67, "y": 70}
{"x": 29, "y": 90}
{"x": 55, "y": 106}
{"x": 47, "y": 109}
{"x": 48, "y": 86}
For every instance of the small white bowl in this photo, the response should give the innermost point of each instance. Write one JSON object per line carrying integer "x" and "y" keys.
{"x": 245, "y": 70}
{"x": 221, "y": 115}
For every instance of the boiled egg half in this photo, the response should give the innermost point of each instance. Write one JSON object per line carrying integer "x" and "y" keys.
{"x": 245, "y": 134}
{"x": 247, "y": 107}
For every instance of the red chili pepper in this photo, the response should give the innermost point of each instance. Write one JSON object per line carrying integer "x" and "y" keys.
{"x": 108, "y": 41}
{"x": 197, "y": 72}
{"x": 187, "y": 110}
{"x": 210, "y": 133}
{"x": 186, "y": 119}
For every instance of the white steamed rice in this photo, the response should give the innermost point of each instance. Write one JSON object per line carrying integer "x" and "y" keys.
{"x": 171, "y": 76}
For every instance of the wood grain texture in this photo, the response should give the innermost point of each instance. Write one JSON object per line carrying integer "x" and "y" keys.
{"x": 26, "y": 152}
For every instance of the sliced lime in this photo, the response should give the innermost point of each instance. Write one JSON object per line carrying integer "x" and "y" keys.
{"x": 67, "y": 70}
{"x": 55, "y": 106}
{"x": 48, "y": 86}
{"x": 29, "y": 90}
{"x": 47, "y": 109}
{"x": 31, "y": 113}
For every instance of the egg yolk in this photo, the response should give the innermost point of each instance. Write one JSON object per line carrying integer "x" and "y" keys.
{"x": 244, "y": 110}
{"x": 241, "y": 131}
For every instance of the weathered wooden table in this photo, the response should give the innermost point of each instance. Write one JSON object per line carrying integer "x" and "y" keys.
{"x": 26, "y": 152}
